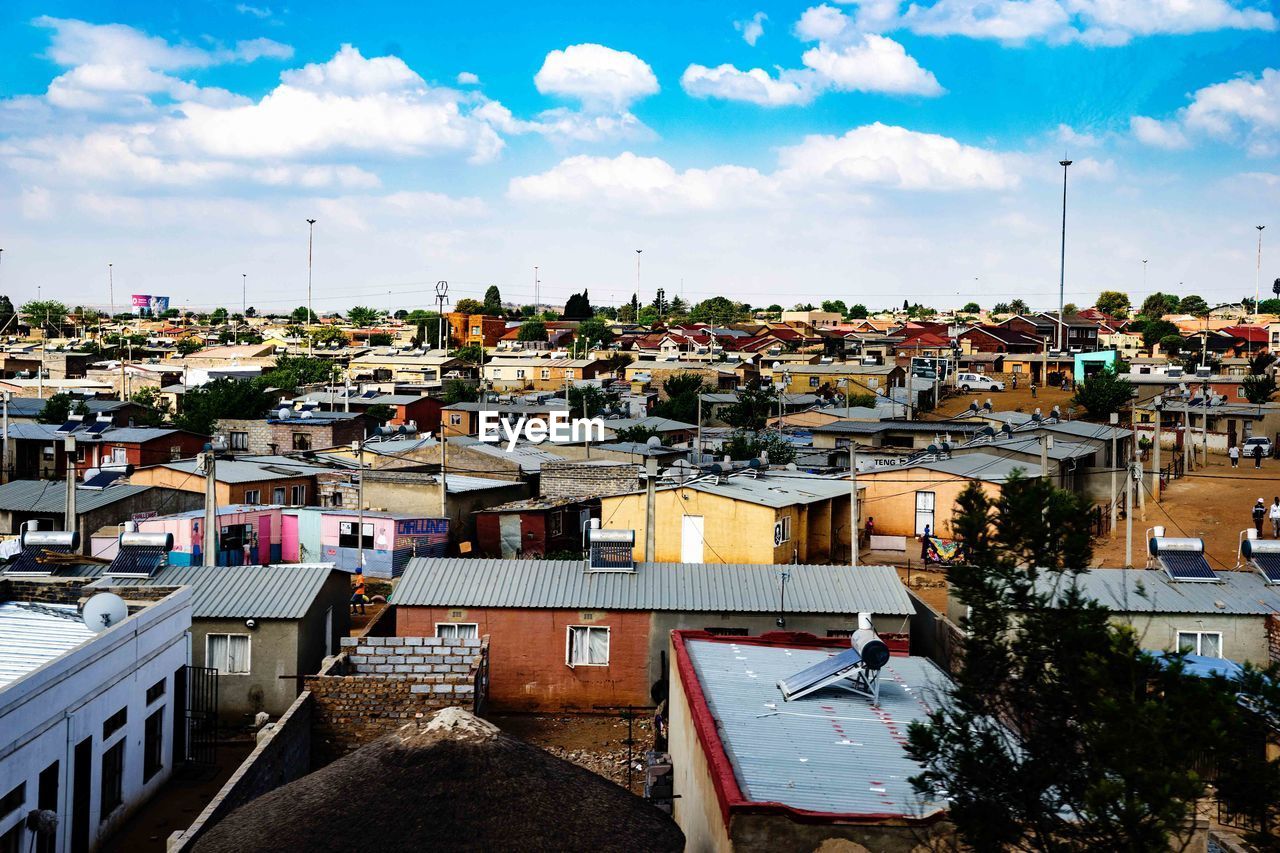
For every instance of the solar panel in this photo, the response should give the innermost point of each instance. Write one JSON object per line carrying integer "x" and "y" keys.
{"x": 1269, "y": 565}
{"x": 820, "y": 674}
{"x": 102, "y": 479}
{"x": 1187, "y": 566}
{"x": 70, "y": 426}
{"x": 98, "y": 427}
{"x": 137, "y": 562}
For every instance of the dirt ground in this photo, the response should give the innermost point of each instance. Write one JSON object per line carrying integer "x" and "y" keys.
{"x": 1009, "y": 400}
{"x": 597, "y": 743}
{"x": 1212, "y": 503}
{"x": 930, "y": 586}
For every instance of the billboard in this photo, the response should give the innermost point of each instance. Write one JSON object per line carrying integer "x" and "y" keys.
{"x": 147, "y": 305}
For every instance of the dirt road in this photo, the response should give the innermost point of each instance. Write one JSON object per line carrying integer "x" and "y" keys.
{"x": 1009, "y": 400}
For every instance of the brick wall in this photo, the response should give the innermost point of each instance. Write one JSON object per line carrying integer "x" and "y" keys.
{"x": 588, "y": 479}
{"x": 388, "y": 681}
{"x": 259, "y": 434}
{"x": 1273, "y": 639}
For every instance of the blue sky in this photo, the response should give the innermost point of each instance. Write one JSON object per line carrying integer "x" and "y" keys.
{"x": 869, "y": 151}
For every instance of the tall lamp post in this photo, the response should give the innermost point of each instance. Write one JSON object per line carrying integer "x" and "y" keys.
{"x": 1062, "y": 263}
{"x": 311, "y": 233}
{"x": 638, "y": 252}
{"x": 1257, "y": 276}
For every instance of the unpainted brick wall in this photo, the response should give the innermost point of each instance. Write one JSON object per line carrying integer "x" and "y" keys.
{"x": 387, "y": 682}
{"x": 1273, "y": 638}
{"x": 583, "y": 480}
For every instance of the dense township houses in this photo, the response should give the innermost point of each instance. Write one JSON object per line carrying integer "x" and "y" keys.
{"x": 287, "y": 430}
{"x": 551, "y": 374}
{"x": 463, "y": 419}
{"x": 563, "y": 636}
{"x": 997, "y": 339}
{"x": 45, "y": 450}
{"x": 419, "y": 368}
{"x": 417, "y": 409}
{"x": 42, "y": 504}
{"x": 243, "y": 480}
{"x": 1078, "y": 333}
{"x": 725, "y": 376}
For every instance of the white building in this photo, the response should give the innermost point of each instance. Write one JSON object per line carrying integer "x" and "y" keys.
{"x": 87, "y": 720}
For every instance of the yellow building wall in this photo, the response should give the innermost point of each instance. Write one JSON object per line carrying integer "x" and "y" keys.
{"x": 890, "y": 498}
{"x": 858, "y": 383}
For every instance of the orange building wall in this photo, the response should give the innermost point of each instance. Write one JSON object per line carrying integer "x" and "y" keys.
{"x": 527, "y": 671}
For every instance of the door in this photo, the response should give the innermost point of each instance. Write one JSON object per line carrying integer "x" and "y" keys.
{"x": 289, "y": 539}
{"x": 328, "y": 632}
{"x": 263, "y": 555}
{"x": 81, "y": 793}
{"x": 691, "y": 540}
{"x": 509, "y": 534}
{"x": 924, "y": 513}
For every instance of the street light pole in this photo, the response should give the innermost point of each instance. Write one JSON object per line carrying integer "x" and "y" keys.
{"x": 311, "y": 233}
{"x": 1257, "y": 276}
{"x": 638, "y": 251}
{"x": 1062, "y": 263}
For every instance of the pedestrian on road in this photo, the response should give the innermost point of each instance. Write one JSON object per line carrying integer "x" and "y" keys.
{"x": 1274, "y": 513}
{"x": 1234, "y": 453}
{"x": 1033, "y": 389}
{"x": 1259, "y": 513}
{"x": 1257, "y": 456}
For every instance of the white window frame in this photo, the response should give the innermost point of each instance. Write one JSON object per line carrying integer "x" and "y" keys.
{"x": 238, "y": 440}
{"x": 546, "y": 373}
{"x": 252, "y": 496}
{"x": 278, "y": 492}
{"x": 1199, "y": 641}
{"x": 519, "y": 373}
{"x": 785, "y": 521}
{"x": 568, "y": 373}
{"x": 474, "y": 626}
{"x": 568, "y": 644}
{"x": 455, "y": 418}
{"x": 248, "y": 658}
{"x": 298, "y": 495}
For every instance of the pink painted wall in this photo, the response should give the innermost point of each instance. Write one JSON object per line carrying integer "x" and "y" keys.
{"x": 188, "y": 531}
{"x": 384, "y": 529}
{"x": 289, "y": 546}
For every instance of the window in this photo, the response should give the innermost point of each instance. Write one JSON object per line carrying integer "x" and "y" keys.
{"x": 301, "y": 441}
{"x": 335, "y": 499}
{"x": 238, "y": 441}
{"x": 153, "y": 745}
{"x": 175, "y": 452}
{"x": 112, "y": 779}
{"x": 587, "y": 645}
{"x": 455, "y": 419}
{"x": 475, "y": 330}
{"x": 347, "y": 535}
{"x": 155, "y": 691}
{"x": 568, "y": 373}
{"x": 277, "y": 495}
{"x": 457, "y": 630}
{"x": 119, "y": 456}
{"x": 519, "y": 373}
{"x": 115, "y": 723}
{"x": 555, "y": 520}
{"x": 13, "y": 800}
{"x": 252, "y": 496}
{"x": 546, "y": 373}
{"x": 11, "y": 841}
{"x": 782, "y": 530}
{"x": 227, "y": 653}
{"x": 726, "y": 632}
{"x": 1207, "y": 643}
{"x": 297, "y": 495}
{"x": 1240, "y": 392}
{"x": 814, "y": 382}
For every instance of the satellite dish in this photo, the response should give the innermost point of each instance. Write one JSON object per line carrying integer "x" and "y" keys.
{"x": 653, "y": 441}
{"x": 103, "y": 611}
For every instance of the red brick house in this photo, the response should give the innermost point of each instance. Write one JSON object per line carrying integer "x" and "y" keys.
{"x": 533, "y": 527}
{"x": 564, "y": 637}
{"x": 997, "y": 339}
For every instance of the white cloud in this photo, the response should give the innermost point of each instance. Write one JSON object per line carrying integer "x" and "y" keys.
{"x": 467, "y": 78}
{"x": 566, "y": 125}
{"x": 259, "y": 12}
{"x": 1245, "y": 111}
{"x": 754, "y": 87}
{"x": 37, "y": 203}
{"x": 598, "y": 76}
{"x": 1117, "y": 21}
{"x": 1003, "y": 20}
{"x": 874, "y": 64}
{"x": 1073, "y": 138}
{"x": 822, "y": 23}
{"x": 752, "y": 28}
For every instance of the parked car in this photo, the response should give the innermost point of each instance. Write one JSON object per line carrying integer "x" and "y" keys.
{"x": 1256, "y": 441}
{"x": 967, "y": 382}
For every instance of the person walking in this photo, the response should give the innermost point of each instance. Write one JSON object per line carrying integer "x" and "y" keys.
{"x": 1259, "y": 513}
{"x": 1234, "y": 453}
{"x": 1033, "y": 389}
{"x": 358, "y": 597}
{"x": 1257, "y": 456}
{"x": 1274, "y": 514}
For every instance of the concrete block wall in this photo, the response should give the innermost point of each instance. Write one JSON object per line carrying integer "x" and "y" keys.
{"x": 587, "y": 479}
{"x": 259, "y": 434}
{"x": 1273, "y": 639}
{"x": 387, "y": 681}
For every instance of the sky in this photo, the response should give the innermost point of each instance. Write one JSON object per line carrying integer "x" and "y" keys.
{"x": 869, "y": 151}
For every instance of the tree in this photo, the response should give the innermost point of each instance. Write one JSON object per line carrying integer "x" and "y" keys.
{"x": 532, "y": 330}
{"x": 681, "y": 390}
{"x": 1000, "y": 308}
{"x": 1057, "y": 732}
{"x": 1069, "y": 308}
{"x": 1155, "y": 331}
{"x": 596, "y": 330}
{"x": 1259, "y": 389}
{"x": 578, "y": 307}
{"x": 1269, "y": 306}
{"x": 971, "y": 308}
{"x": 744, "y": 444}
{"x": 1248, "y": 781}
{"x": 1158, "y": 304}
{"x": 329, "y": 335}
{"x": 493, "y": 301}
{"x": 468, "y": 306}
{"x": 294, "y": 371}
{"x": 1018, "y": 306}
{"x": 301, "y": 314}
{"x": 803, "y": 306}
{"x": 380, "y": 413}
{"x": 1103, "y": 393}
{"x": 1113, "y": 302}
{"x": 858, "y": 312}
{"x": 46, "y": 314}
{"x": 1259, "y": 363}
{"x": 381, "y": 339}
{"x": 1171, "y": 344}
{"x": 361, "y": 316}
{"x": 6, "y": 313}
{"x": 59, "y": 406}
{"x": 154, "y": 407}
{"x": 457, "y": 391}
{"x": 639, "y": 433}
{"x": 678, "y": 309}
{"x": 835, "y": 305}
{"x": 470, "y": 353}
{"x": 204, "y": 405}
{"x": 189, "y": 345}
{"x": 627, "y": 314}
{"x": 718, "y": 310}
{"x": 249, "y": 312}
{"x": 648, "y": 316}
{"x": 757, "y": 402}
{"x": 219, "y": 316}
{"x": 775, "y": 308}
{"x": 592, "y": 397}
{"x": 1193, "y": 305}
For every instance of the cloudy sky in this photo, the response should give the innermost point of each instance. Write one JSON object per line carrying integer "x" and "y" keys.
{"x": 869, "y": 151}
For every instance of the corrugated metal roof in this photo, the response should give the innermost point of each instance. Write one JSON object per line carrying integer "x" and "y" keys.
{"x": 651, "y": 422}
{"x": 51, "y": 496}
{"x": 978, "y": 466}
{"x": 241, "y": 471}
{"x": 1152, "y": 591}
{"x": 241, "y": 592}
{"x": 873, "y": 427}
{"x": 31, "y": 635}
{"x": 830, "y": 752}
{"x": 774, "y": 492}
{"x": 675, "y": 587}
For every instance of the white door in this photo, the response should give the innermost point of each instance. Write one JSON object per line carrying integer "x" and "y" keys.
{"x": 328, "y": 632}
{"x": 691, "y": 539}
{"x": 924, "y": 513}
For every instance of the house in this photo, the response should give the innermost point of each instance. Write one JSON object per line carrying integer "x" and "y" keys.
{"x": 563, "y": 637}
{"x": 43, "y": 504}
{"x": 1074, "y": 334}
{"x": 857, "y": 378}
{"x": 461, "y": 419}
{"x": 94, "y": 723}
{"x": 997, "y": 339}
{"x": 740, "y": 518}
{"x": 541, "y": 374}
{"x": 826, "y": 771}
{"x": 534, "y": 527}
{"x": 475, "y": 329}
{"x": 721, "y": 375}
{"x": 42, "y": 450}
{"x": 812, "y": 319}
{"x": 286, "y": 430}
{"x": 418, "y": 368}
{"x": 671, "y": 431}
{"x": 420, "y": 410}
{"x": 240, "y": 480}
{"x": 906, "y": 435}
{"x": 246, "y": 535}
{"x": 254, "y": 624}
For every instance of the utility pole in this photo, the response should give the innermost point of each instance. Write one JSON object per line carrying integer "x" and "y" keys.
{"x": 111, "y": 290}
{"x": 1115, "y": 464}
{"x": 1046, "y": 442}
{"x": 1128, "y": 511}
{"x": 1062, "y": 263}
{"x": 5, "y": 472}
{"x": 358, "y": 447}
{"x": 311, "y": 233}
{"x": 209, "y": 464}
{"x": 442, "y": 296}
{"x": 1257, "y": 284}
{"x": 853, "y": 504}
{"x": 537, "y": 309}
{"x": 69, "y": 448}
{"x": 697, "y": 459}
{"x": 444, "y": 486}
{"x": 650, "y": 509}
{"x": 638, "y": 251}
{"x": 1158, "y": 402}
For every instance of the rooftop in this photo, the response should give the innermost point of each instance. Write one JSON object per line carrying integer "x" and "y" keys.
{"x": 51, "y": 496}
{"x": 240, "y": 592}
{"x": 1152, "y": 591}
{"x": 31, "y": 635}
{"x": 767, "y": 490}
{"x": 977, "y": 466}
{"x": 828, "y": 755}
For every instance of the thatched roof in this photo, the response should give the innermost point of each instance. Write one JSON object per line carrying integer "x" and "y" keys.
{"x": 451, "y": 782}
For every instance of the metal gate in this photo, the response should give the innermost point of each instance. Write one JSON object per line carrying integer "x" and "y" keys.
{"x": 197, "y": 691}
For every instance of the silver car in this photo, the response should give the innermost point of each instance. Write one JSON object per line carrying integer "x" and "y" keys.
{"x": 1254, "y": 442}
